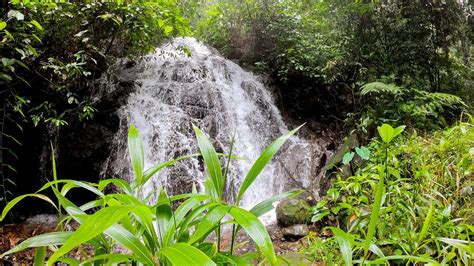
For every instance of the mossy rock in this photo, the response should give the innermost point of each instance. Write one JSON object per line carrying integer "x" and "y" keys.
{"x": 293, "y": 211}
{"x": 297, "y": 259}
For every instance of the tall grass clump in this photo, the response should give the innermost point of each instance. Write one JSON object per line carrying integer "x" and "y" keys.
{"x": 156, "y": 233}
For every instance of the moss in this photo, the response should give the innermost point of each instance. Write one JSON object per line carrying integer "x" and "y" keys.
{"x": 293, "y": 211}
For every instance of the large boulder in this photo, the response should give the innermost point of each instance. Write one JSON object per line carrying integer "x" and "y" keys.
{"x": 296, "y": 231}
{"x": 293, "y": 211}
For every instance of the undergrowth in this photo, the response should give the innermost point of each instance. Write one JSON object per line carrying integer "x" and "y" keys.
{"x": 425, "y": 208}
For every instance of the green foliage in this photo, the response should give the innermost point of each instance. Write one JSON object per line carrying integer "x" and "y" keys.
{"x": 386, "y": 133}
{"x": 153, "y": 233}
{"x": 61, "y": 47}
{"x": 321, "y": 52}
{"x": 380, "y": 88}
{"x": 51, "y": 53}
{"x": 421, "y": 193}
{"x": 412, "y": 106}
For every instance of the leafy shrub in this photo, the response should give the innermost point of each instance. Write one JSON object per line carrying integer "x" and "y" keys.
{"x": 155, "y": 233}
{"x": 321, "y": 52}
{"x": 57, "y": 48}
{"x": 426, "y": 204}
{"x": 52, "y": 53}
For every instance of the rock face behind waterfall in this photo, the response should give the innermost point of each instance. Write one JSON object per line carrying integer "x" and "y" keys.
{"x": 172, "y": 91}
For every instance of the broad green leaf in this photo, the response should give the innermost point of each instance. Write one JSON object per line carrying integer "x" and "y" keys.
{"x": 398, "y": 131}
{"x": 3, "y": 25}
{"x": 93, "y": 225}
{"x": 164, "y": 214}
{"x": 210, "y": 189}
{"x": 348, "y": 157}
{"x": 92, "y": 204}
{"x": 363, "y": 152}
{"x": 185, "y": 254}
{"x": 262, "y": 161}
{"x": 130, "y": 241}
{"x": 256, "y": 230}
{"x": 167, "y": 29}
{"x": 145, "y": 218}
{"x": 386, "y": 132}
{"x": 209, "y": 222}
{"x": 211, "y": 160}
{"x": 75, "y": 212}
{"x": 190, "y": 208}
{"x": 9, "y": 35}
{"x": 344, "y": 240}
{"x": 47, "y": 239}
{"x": 136, "y": 151}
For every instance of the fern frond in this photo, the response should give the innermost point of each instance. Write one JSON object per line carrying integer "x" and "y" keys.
{"x": 380, "y": 88}
{"x": 448, "y": 100}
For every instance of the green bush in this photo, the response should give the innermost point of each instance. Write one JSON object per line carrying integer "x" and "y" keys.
{"x": 52, "y": 53}
{"x": 426, "y": 205}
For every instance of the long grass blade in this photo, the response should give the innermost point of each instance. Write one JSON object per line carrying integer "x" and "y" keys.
{"x": 344, "y": 240}
{"x": 94, "y": 225}
{"x": 137, "y": 154}
{"x": 426, "y": 224}
{"x": 40, "y": 256}
{"x": 16, "y": 200}
{"x": 209, "y": 222}
{"x": 47, "y": 239}
{"x": 211, "y": 160}
{"x": 262, "y": 161}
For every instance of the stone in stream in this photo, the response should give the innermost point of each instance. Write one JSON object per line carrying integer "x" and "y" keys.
{"x": 293, "y": 211}
{"x": 296, "y": 231}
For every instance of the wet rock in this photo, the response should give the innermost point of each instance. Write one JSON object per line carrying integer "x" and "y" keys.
{"x": 296, "y": 231}
{"x": 293, "y": 211}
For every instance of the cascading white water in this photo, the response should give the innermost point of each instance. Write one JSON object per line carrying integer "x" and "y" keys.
{"x": 174, "y": 91}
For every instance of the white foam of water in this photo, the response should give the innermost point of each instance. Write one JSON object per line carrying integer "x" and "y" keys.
{"x": 174, "y": 91}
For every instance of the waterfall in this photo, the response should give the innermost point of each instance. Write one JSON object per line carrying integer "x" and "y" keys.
{"x": 185, "y": 83}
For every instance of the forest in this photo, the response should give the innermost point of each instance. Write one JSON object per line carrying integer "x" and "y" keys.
{"x": 237, "y": 132}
